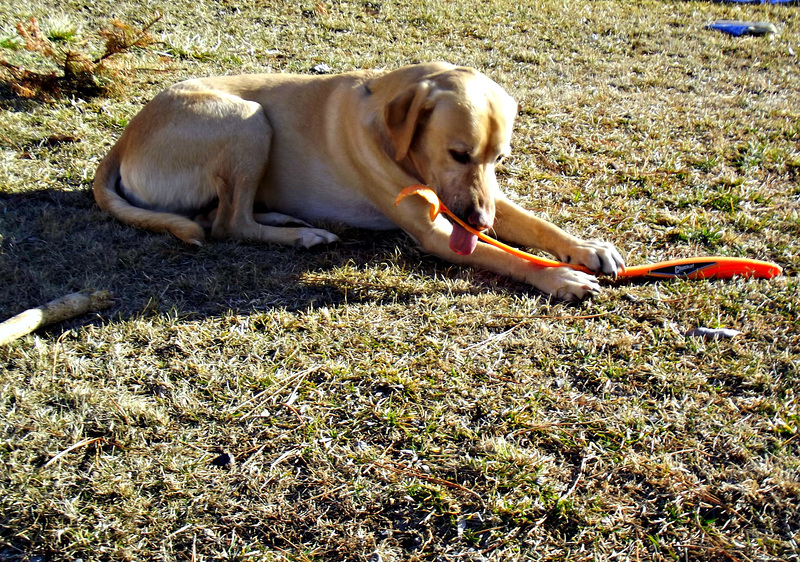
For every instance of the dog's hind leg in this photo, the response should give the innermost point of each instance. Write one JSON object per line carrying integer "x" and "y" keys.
{"x": 235, "y": 219}
{"x": 237, "y": 183}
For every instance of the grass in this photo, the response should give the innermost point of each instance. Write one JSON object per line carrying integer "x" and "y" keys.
{"x": 381, "y": 404}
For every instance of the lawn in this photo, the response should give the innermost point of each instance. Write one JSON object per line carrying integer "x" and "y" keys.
{"x": 364, "y": 401}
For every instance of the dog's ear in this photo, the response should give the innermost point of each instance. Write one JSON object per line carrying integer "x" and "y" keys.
{"x": 404, "y": 113}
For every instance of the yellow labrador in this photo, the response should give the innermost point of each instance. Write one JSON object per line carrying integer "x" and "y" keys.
{"x": 212, "y": 152}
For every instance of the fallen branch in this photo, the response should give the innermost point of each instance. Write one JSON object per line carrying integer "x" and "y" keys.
{"x": 64, "y": 308}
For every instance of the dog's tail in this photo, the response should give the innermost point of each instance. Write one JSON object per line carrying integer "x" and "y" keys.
{"x": 108, "y": 198}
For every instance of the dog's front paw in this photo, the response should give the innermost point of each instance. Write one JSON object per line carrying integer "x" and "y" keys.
{"x": 309, "y": 237}
{"x": 564, "y": 283}
{"x": 599, "y": 256}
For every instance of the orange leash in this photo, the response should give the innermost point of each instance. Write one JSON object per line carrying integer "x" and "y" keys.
{"x": 720, "y": 267}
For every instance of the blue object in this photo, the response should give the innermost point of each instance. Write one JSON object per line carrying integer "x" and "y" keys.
{"x": 739, "y": 28}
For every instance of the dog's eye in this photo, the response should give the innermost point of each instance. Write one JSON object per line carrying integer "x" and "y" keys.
{"x": 460, "y": 157}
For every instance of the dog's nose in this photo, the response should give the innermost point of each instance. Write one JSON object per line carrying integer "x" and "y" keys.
{"x": 480, "y": 220}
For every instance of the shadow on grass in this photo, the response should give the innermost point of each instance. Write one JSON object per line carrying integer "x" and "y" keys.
{"x": 57, "y": 242}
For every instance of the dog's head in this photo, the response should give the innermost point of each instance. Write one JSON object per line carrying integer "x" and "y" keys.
{"x": 449, "y": 129}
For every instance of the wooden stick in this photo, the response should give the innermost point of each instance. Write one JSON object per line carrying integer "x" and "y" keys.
{"x": 58, "y": 310}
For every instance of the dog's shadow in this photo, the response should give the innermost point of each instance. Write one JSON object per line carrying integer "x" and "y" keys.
{"x": 58, "y": 242}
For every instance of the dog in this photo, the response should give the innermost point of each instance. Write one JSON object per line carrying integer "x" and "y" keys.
{"x": 216, "y": 152}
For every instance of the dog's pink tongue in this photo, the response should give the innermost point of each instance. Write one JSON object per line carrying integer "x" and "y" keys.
{"x": 461, "y": 241}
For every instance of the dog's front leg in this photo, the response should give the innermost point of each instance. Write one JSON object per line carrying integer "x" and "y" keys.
{"x": 519, "y": 226}
{"x": 434, "y": 237}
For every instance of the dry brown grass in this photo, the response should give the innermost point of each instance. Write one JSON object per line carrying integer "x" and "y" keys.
{"x": 383, "y": 405}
